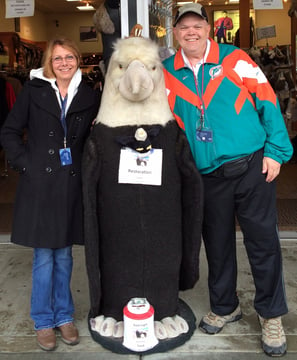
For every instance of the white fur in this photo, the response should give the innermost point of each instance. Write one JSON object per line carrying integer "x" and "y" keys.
{"x": 117, "y": 109}
{"x": 96, "y": 323}
{"x": 172, "y": 328}
{"x": 118, "y": 330}
{"x": 107, "y": 327}
{"x": 160, "y": 330}
{"x": 182, "y": 324}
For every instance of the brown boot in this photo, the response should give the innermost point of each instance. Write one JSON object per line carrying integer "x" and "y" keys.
{"x": 46, "y": 339}
{"x": 69, "y": 334}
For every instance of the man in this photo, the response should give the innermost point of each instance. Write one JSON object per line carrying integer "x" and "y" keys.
{"x": 234, "y": 125}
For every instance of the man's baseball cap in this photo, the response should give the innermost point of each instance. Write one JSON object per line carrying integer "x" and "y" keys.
{"x": 190, "y": 8}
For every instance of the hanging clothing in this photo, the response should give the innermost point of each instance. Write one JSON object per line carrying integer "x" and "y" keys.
{"x": 221, "y": 26}
{"x": 3, "y": 101}
{"x": 7, "y": 99}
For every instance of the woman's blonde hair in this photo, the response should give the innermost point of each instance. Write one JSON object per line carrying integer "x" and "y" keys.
{"x": 47, "y": 56}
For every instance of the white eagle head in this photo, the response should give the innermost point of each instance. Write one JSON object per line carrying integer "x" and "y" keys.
{"x": 134, "y": 91}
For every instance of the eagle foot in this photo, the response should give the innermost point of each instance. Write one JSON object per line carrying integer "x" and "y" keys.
{"x": 167, "y": 328}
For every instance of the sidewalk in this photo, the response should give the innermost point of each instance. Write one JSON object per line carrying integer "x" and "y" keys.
{"x": 240, "y": 340}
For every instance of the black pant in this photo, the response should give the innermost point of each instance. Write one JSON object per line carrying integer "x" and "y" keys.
{"x": 253, "y": 201}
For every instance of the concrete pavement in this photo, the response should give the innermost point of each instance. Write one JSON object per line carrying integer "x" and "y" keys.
{"x": 240, "y": 340}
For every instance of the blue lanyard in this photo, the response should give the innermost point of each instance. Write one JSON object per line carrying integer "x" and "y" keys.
{"x": 63, "y": 117}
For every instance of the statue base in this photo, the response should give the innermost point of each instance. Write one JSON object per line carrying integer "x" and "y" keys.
{"x": 116, "y": 344}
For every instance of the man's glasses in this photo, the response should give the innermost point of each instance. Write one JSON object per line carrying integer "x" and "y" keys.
{"x": 59, "y": 59}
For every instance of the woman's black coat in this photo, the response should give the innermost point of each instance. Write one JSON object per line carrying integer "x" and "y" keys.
{"x": 48, "y": 209}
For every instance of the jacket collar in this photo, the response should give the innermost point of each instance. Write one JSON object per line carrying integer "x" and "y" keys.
{"x": 212, "y": 56}
{"x": 45, "y": 96}
{"x": 72, "y": 88}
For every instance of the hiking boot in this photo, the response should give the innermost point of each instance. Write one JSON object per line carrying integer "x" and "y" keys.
{"x": 212, "y": 323}
{"x": 69, "y": 334}
{"x": 273, "y": 336}
{"x": 46, "y": 339}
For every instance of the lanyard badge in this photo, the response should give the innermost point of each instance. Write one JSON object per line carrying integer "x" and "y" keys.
{"x": 203, "y": 133}
{"x": 65, "y": 156}
{"x": 65, "y": 152}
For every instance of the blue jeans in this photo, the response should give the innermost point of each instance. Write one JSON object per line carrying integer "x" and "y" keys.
{"x": 51, "y": 299}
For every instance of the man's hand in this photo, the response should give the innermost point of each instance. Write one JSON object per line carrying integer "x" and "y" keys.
{"x": 271, "y": 168}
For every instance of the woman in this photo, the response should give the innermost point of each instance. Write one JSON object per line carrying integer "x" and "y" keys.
{"x": 55, "y": 110}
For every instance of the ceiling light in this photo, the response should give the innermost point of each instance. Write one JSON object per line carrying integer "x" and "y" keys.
{"x": 181, "y": 3}
{"x": 87, "y": 7}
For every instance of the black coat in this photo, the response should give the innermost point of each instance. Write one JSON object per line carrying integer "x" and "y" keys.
{"x": 48, "y": 207}
{"x": 140, "y": 240}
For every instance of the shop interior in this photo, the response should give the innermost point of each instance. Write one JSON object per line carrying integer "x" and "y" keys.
{"x": 269, "y": 36}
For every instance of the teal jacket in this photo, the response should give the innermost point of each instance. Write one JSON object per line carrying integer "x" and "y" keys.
{"x": 242, "y": 112}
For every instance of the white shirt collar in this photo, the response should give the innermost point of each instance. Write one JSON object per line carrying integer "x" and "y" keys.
{"x": 196, "y": 67}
